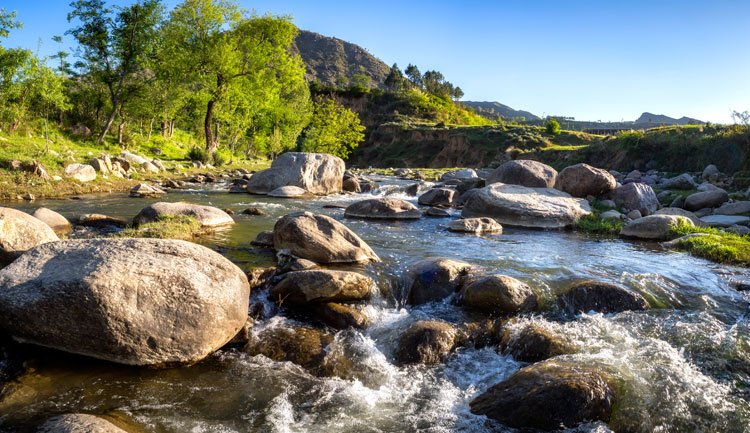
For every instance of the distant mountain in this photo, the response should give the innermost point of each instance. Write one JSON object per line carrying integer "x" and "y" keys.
{"x": 328, "y": 59}
{"x": 494, "y": 109}
{"x": 660, "y": 119}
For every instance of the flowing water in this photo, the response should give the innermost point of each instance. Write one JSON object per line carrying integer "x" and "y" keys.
{"x": 684, "y": 365}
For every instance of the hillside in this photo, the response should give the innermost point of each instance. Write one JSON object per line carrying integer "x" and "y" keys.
{"x": 660, "y": 119}
{"x": 491, "y": 110}
{"x": 329, "y": 59}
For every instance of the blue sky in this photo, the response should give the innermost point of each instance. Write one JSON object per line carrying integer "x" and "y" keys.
{"x": 593, "y": 60}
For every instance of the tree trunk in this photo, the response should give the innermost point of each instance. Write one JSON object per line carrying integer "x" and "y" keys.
{"x": 164, "y": 128}
{"x": 171, "y": 128}
{"x": 211, "y": 144}
{"x": 110, "y": 121}
{"x": 150, "y": 129}
{"x": 120, "y": 129}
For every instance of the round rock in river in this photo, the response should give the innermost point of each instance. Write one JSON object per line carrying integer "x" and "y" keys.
{"x": 208, "y": 216}
{"x": 600, "y": 297}
{"x": 321, "y": 239}
{"x": 548, "y": 395}
{"x": 475, "y": 225}
{"x": 58, "y": 223}
{"x": 151, "y": 302}
{"x": 524, "y": 172}
{"x": 383, "y": 208}
{"x": 582, "y": 180}
{"x": 20, "y": 232}
{"x": 426, "y": 342}
{"x": 433, "y": 279}
{"x": 497, "y": 293}
{"x": 322, "y": 285}
{"x": 438, "y": 197}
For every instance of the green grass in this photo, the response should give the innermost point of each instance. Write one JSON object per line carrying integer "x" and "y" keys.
{"x": 715, "y": 245}
{"x": 593, "y": 224}
{"x": 172, "y": 227}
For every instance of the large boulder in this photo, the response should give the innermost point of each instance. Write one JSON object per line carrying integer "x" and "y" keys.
{"x": 290, "y": 191}
{"x": 78, "y": 423}
{"x": 321, "y": 239}
{"x": 676, "y": 211}
{"x": 433, "y": 279}
{"x": 523, "y": 172}
{"x": 684, "y": 181}
{"x": 637, "y": 196}
{"x": 438, "y": 197}
{"x": 532, "y": 342}
{"x": 58, "y": 223}
{"x": 706, "y": 199}
{"x": 600, "y": 297}
{"x": 549, "y": 395}
{"x": 582, "y": 180}
{"x": 709, "y": 171}
{"x": 383, "y": 208}
{"x": 19, "y": 232}
{"x": 133, "y": 159}
{"x": 657, "y": 227}
{"x": 734, "y": 208}
{"x": 208, "y": 216}
{"x": 319, "y": 285}
{"x": 80, "y": 172}
{"x": 724, "y": 220}
{"x": 475, "y": 225}
{"x": 426, "y": 342}
{"x": 318, "y": 173}
{"x": 150, "y": 302}
{"x": 515, "y": 205}
{"x": 466, "y": 173}
{"x": 497, "y": 294}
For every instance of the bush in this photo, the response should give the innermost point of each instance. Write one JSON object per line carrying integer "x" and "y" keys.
{"x": 222, "y": 157}
{"x": 553, "y": 126}
{"x": 199, "y": 154}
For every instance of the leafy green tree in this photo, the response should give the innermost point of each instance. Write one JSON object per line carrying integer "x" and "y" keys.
{"x": 552, "y": 126}
{"x": 115, "y": 44}
{"x": 360, "y": 83}
{"x": 395, "y": 80}
{"x": 8, "y": 22}
{"x": 415, "y": 77}
{"x": 334, "y": 129}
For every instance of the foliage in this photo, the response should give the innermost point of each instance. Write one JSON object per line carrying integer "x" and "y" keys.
{"x": 552, "y": 126}
{"x": 333, "y": 129}
{"x": 221, "y": 158}
{"x": 395, "y": 81}
{"x": 199, "y": 154}
{"x": 713, "y": 244}
{"x": 168, "y": 227}
{"x": 594, "y": 224}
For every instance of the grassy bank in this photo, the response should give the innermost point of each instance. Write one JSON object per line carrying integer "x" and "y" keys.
{"x": 713, "y": 244}
{"x": 175, "y": 227}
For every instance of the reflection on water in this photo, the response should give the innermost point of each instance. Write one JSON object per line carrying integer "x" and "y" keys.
{"x": 684, "y": 366}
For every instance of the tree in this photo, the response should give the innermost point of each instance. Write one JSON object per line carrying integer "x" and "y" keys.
{"x": 8, "y": 22}
{"x": 741, "y": 118}
{"x": 334, "y": 129}
{"x": 415, "y": 77}
{"x": 216, "y": 50}
{"x": 114, "y": 46}
{"x": 360, "y": 83}
{"x": 552, "y": 126}
{"x": 395, "y": 79}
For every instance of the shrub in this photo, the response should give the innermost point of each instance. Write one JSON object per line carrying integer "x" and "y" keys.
{"x": 553, "y": 126}
{"x": 222, "y": 157}
{"x": 199, "y": 154}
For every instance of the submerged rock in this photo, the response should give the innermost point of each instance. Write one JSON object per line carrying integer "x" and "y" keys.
{"x": 78, "y": 423}
{"x": 146, "y": 190}
{"x": 290, "y": 192}
{"x": 582, "y": 180}
{"x": 318, "y": 173}
{"x": 383, "y": 208}
{"x": 208, "y": 216}
{"x": 658, "y": 227}
{"x": 437, "y": 213}
{"x": 341, "y": 316}
{"x": 475, "y": 225}
{"x": 600, "y": 297}
{"x": 302, "y": 287}
{"x": 321, "y": 239}
{"x": 426, "y": 342}
{"x": 636, "y": 196}
{"x": 19, "y": 232}
{"x": 433, "y": 279}
{"x": 301, "y": 345}
{"x": 497, "y": 293}
{"x": 549, "y": 395}
{"x": 100, "y": 221}
{"x": 130, "y": 301}
{"x": 58, "y": 223}
{"x": 438, "y": 197}
{"x": 526, "y": 173}
{"x": 515, "y": 205}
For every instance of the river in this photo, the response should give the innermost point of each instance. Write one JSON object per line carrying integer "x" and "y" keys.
{"x": 684, "y": 365}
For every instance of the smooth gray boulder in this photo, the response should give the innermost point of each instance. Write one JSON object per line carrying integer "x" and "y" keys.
{"x": 524, "y": 172}
{"x": 147, "y": 302}
{"x": 438, "y": 197}
{"x": 208, "y": 216}
{"x": 145, "y": 190}
{"x": 383, "y": 208}
{"x": 58, "y": 223}
{"x": 321, "y": 239}
{"x": 318, "y": 173}
{"x": 582, "y": 180}
{"x": 466, "y": 173}
{"x": 515, "y": 205}
{"x": 706, "y": 199}
{"x": 710, "y": 170}
{"x": 475, "y": 225}
{"x": 684, "y": 181}
{"x": 19, "y": 232}
{"x": 636, "y": 196}
{"x": 657, "y": 227}
{"x": 433, "y": 279}
{"x": 734, "y": 208}
{"x": 78, "y": 423}
{"x": 725, "y": 220}
{"x": 80, "y": 172}
{"x": 290, "y": 191}
{"x": 497, "y": 293}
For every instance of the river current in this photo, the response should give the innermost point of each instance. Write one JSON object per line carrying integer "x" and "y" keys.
{"x": 684, "y": 364}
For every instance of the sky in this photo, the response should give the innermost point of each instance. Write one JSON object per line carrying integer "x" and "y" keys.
{"x": 593, "y": 60}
